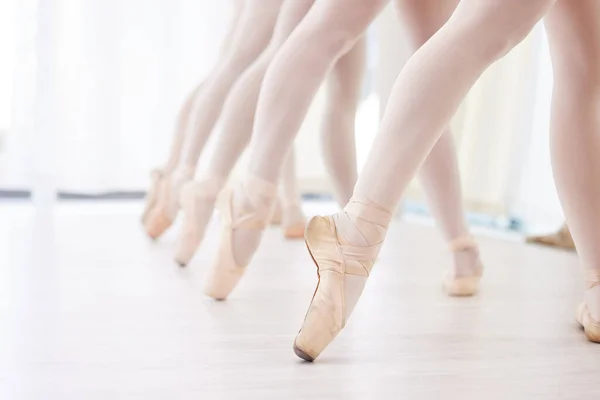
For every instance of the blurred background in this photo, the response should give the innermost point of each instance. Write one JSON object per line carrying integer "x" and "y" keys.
{"x": 89, "y": 91}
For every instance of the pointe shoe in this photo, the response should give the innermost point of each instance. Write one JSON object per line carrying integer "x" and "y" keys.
{"x": 152, "y": 196}
{"x": 462, "y": 286}
{"x": 225, "y": 272}
{"x": 162, "y": 216}
{"x": 276, "y": 214}
{"x": 589, "y": 324}
{"x": 561, "y": 239}
{"x": 342, "y": 271}
{"x": 194, "y": 197}
{"x": 293, "y": 223}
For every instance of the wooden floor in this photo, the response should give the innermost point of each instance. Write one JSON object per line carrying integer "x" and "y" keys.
{"x": 91, "y": 309}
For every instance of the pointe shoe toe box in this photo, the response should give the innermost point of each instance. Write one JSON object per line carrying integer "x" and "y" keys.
{"x": 225, "y": 273}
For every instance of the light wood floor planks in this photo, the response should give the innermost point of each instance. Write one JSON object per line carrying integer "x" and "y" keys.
{"x": 91, "y": 309}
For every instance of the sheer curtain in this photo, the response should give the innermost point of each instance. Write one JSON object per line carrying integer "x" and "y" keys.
{"x": 97, "y": 85}
{"x": 501, "y": 130}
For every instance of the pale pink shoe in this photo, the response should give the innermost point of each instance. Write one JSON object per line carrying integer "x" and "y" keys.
{"x": 561, "y": 239}
{"x": 587, "y": 322}
{"x": 462, "y": 286}
{"x": 162, "y": 216}
{"x": 152, "y": 196}
{"x": 293, "y": 222}
{"x": 197, "y": 203}
{"x": 342, "y": 271}
{"x": 276, "y": 214}
{"x": 225, "y": 272}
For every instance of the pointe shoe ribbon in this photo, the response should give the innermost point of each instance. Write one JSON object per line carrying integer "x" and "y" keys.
{"x": 463, "y": 285}
{"x": 225, "y": 272}
{"x": 342, "y": 271}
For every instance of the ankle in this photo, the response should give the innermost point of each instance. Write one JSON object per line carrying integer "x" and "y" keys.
{"x": 209, "y": 187}
{"x": 292, "y": 215}
{"x": 255, "y": 196}
{"x": 465, "y": 254}
{"x": 362, "y": 222}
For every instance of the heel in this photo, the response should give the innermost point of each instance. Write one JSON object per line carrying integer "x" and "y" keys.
{"x": 342, "y": 272}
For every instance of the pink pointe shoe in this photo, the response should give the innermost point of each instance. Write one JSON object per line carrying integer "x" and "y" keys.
{"x": 225, "y": 272}
{"x": 276, "y": 214}
{"x": 293, "y": 222}
{"x": 152, "y": 196}
{"x": 587, "y": 322}
{"x": 162, "y": 216}
{"x": 197, "y": 203}
{"x": 342, "y": 271}
{"x": 465, "y": 285}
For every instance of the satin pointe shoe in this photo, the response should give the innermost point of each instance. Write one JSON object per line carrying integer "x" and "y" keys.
{"x": 561, "y": 239}
{"x": 152, "y": 195}
{"x": 276, "y": 214}
{"x": 197, "y": 203}
{"x": 462, "y": 286}
{"x": 342, "y": 271}
{"x": 293, "y": 222}
{"x": 162, "y": 216}
{"x": 587, "y": 322}
{"x": 226, "y": 272}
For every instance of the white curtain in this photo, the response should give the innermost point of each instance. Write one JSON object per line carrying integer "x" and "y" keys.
{"x": 97, "y": 85}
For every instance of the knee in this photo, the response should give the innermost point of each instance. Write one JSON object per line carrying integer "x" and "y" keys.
{"x": 497, "y": 32}
{"x": 575, "y": 63}
{"x": 330, "y": 37}
{"x": 244, "y": 53}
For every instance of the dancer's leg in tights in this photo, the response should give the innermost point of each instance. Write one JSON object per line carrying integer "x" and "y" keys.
{"x": 293, "y": 220}
{"x": 185, "y": 114}
{"x": 344, "y": 86}
{"x": 425, "y": 96}
{"x": 254, "y": 34}
{"x": 184, "y": 118}
{"x": 273, "y": 134}
{"x": 439, "y": 174}
{"x": 251, "y": 37}
{"x": 329, "y": 30}
{"x": 237, "y": 119}
{"x": 574, "y": 35}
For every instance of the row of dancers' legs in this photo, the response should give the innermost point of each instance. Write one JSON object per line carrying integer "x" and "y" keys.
{"x": 237, "y": 115}
{"x": 426, "y": 95}
{"x": 288, "y": 101}
{"x": 424, "y": 98}
{"x": 237, "y": 121}
{"x": 250, "y": 33}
